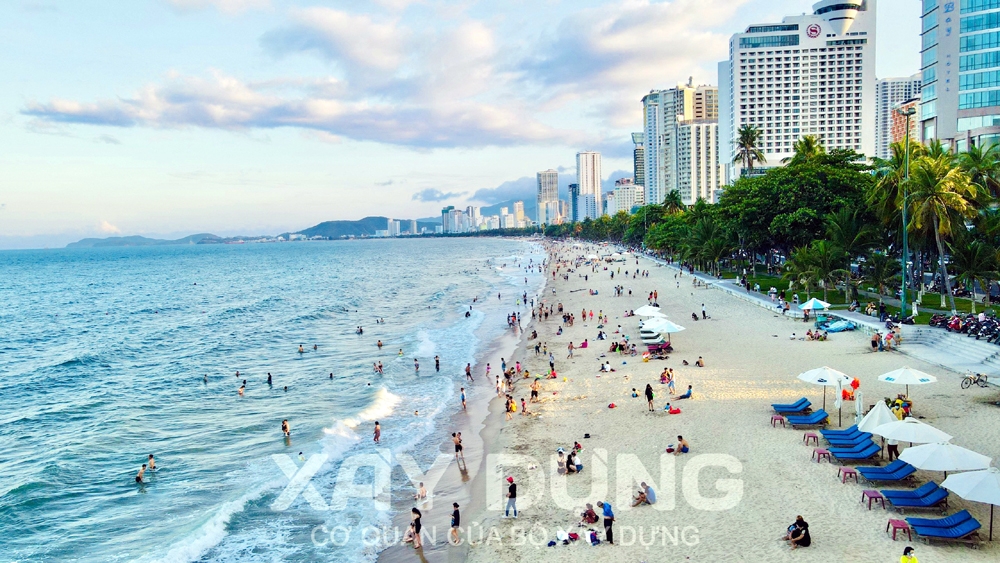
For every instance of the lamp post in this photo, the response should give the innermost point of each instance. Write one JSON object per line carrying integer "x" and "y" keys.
{"x": 908, "y": 113}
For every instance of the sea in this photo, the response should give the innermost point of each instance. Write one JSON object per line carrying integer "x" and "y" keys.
{"x": 110, "y": 354}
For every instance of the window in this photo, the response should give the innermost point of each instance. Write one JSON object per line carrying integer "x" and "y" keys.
{"x": 769, "y": 41}
{"x": 931, "y": 4}
{"x": 772, "y": 28}
{"x": 929, "y": 57}
{"x": 847, "y": 42}
{"x": 979, "y": 42}
{"x": 980, "y": 22}
{"x": 977, "y": 80}
{"x": 973, "y": 100}
{"x": 979, "y": 61}
{"x": 967, "y": 123}
{"x": 929, "y": 39}
{"x": 974, "y": 5}
{"x": 929, "y": 21}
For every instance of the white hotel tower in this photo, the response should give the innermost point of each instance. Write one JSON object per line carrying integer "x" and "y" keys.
{"x": 812, "y": 74}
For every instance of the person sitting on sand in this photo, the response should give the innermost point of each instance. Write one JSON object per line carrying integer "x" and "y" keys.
{"x": 573, "y": 465}
{"x": 799, "y": 535}
{"x": 682, "y": 446}
{"x": 589, "y": 516}
{"x": 671, "y": 410}
{"x": 809, "y": 334}
{"x": 701, "y": 362}
{"x": 686, "y": 395}
{"x": 645, "y": 495}
{"x": 694, "y": 316}
{"x": 663, "y": 377}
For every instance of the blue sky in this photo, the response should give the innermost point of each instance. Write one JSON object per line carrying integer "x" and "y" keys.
{"x": 169, "y": 117}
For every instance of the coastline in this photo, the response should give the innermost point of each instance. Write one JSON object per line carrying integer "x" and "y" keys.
{"x": 751, "y": 362}
{"x": 480, "y": 425}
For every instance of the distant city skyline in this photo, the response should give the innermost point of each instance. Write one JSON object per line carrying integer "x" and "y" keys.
{"x": 169, "y": 117}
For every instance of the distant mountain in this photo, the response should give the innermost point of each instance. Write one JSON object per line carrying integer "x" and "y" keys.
{"x": 203, "y": 238}
{"x": 361, "y": 227}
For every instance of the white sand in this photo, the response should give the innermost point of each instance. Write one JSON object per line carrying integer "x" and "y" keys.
{"x": 747, "y": 369}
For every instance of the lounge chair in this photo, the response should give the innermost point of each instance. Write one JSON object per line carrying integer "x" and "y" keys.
{"x": 861, "y": 439}
{"x": 901, "y": 474}
{"x": 818, "y": 418}
{"x": 936, "y": 500}
{"x": 854, "y": 437}
{"x": 946, "y": 522}
{"x": 869, "y": 452}
{"x": 919, "y": 492}
{"x": 834, "y": 433}
{"x": 892, "y": 467}
{"x": 965, "y": 532}
{"x": 852, "y": 448}
{"x": 792, "y": 408}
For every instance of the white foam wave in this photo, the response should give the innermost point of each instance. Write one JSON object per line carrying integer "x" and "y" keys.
{"x": 426, "y": 347}
{"x": 195, "y": 545}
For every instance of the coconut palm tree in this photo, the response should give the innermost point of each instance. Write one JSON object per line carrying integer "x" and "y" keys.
{"x": 974, "y": 262}
{"x": 983, "y": 167}
{"x": 798, "y": 269}
{"x": 673, "y": 203}
{"x": 879, "y": 271}
{"x": 827, "y": 261}
{"x": 807, "y": 148}
{"x": 748, "y": 147}
{"x": 848, "y": 231}
{"x": 940, "y": 196}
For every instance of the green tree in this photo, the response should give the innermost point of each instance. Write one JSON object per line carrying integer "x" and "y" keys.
{"x": 748, "y": 147}
{"x": 974, "y": 262}
{"x": 983, "y": 167}
{"x": 847, "y": 229}
{"x": 940, "y": 195}
{"x": 806, "y": 149}
{"x": 879, "y": 271}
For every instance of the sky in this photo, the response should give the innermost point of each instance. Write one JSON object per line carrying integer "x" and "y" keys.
{"x": 171, "y": 117}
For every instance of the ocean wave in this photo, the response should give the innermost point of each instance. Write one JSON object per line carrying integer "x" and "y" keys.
{"x": 195, "y": 545}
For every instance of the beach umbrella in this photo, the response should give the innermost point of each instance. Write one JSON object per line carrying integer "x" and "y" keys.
{"x": 977, "y": 486}
{"x": 911, "y": 430}
{"x": 663, "y": 326}
{"x": 943, "y": 456}
{"x": 592, "y": 257}
{"x": 825, "y": 376}
{"x": 879, "y": 415}
{"x": 649, "y": 311}
{"x": 814, "y": 304}
{"x": 859, "y": 408}
{"x": 907, "y": 376}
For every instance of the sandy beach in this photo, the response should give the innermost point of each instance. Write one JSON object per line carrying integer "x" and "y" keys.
{"x": 743, "y": 482}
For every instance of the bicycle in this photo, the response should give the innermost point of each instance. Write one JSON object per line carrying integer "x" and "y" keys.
{"x": 970, "y": 379}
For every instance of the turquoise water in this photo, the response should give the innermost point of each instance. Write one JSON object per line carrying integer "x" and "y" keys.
{"x": 103, "y": 354}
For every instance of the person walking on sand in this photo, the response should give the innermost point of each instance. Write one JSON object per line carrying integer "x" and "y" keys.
{"x": 468, "y": 372}
{"x": 649, "y": 396}
{"x": 609, "y": 521}
{"x": 463, "y": 398}
{"x": 456, "y": 438}
{"x": 378, "y": 432}
{"x": 456, "y": 523}
{"x": 511, "y": 498}
{"x": 704, "y": 315}
{"x": 524, "y": 407}
{"x": 570, "y": 348}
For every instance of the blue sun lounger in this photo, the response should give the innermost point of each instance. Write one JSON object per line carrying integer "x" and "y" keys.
{"x": 891, "y": 468}
{"x": 936, "y": 499}
{"x": 919, "y": 492}
{"x": 835, "y": 433}
{"x": 946, "y": 522}
{"x": 869, "y": 452}
{"x": 904, "y": 472}
{"x": 965, "y": 532}
{"x": 848, "y": 442}
{"x": 817, "y": 418}
{"x": 798, "y": 407}
{"x": 854, "y": 448}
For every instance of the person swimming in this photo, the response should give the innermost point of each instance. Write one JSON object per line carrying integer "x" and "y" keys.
{"x": 301, "y": 350}
{"x": 379, "y": 344}
{"x": 152, "y": 463}
{"x": 142, "y": 471}
{"x": 400, "y": 352}
{"x": 268, "y": 378}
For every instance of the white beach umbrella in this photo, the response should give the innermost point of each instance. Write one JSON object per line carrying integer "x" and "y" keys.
{"x": 649, "y": 311}
{"x": 907, "y": 376}
{"x": 825, "y": 376}
{"x": 977, "y": 486}
{"x": 879, "y": 415}
{"x": 859, "y": 408}
{"x": 592, "y": 256}
{"x": 663, "y": 326}
{"x": 911, "y": 430}
{"x": 942, "y": 456}
{"x": 814, "y": 304}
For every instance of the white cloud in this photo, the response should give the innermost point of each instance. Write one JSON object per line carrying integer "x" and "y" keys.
{"x": 108, "y": 228}
{"x": 225, "y": 6}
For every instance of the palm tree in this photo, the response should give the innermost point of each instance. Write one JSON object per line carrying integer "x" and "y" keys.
{"x": 883, "y": 197}
{"x": 673, "y": 204}
{"x": 974, "y": 262}
{"x": 827, "y": 264}
{"x": 807, "y": 148}
{"x": 748, "y": 147}
{"x": 798, "y": 269}
{"x": 940, "y": 196}
{"x": 847, "y": 230}
{"x": 879, "y": 271}
{"x": 983, "y": 167}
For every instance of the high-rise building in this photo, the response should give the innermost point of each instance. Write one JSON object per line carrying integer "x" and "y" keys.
{"x": 446, "y": 219}
{"x": 960, "y": 65}
{"x": 889, "y": 93}
{"x": 699, "y": 172}
{"x": 812, "y": 74}
{"x": 639, "y": 159}
{"x": 548, "y": 192}
{"x": 473, "y": 217}
{"x": 588, "y": 176}
{"x": 574, "y": 203}
{"x": 898, "y": 122}
{"x": 563, "y": 210}
{"x": 413, "y": 227}
{"x": 608, "y": 204}
{"x": 393, "y": 228}
{"x": 627, "y": 195}
{"x": 667, "y": 117}
{"x": 519, "y": 212}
